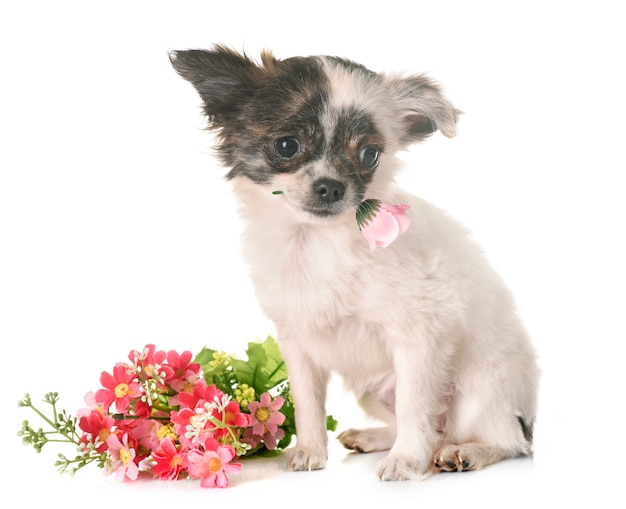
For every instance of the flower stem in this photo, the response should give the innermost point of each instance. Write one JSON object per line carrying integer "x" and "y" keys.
{"x": 40, "y": 414}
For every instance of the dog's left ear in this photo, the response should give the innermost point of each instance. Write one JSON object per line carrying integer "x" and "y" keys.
{"x": 423, "y": 108}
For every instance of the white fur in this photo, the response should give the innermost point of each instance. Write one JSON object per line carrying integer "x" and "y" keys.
{"x": 427, "y": 319}
{"x": 423, "y": 332}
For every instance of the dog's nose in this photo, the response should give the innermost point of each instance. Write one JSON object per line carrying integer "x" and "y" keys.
{"x": 329, "y": 190}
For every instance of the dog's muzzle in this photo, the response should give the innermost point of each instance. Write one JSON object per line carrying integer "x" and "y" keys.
{"x": 326, "y": 198}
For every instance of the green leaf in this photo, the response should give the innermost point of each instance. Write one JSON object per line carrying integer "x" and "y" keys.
{"x": 366, "y": 211}
{"x": 204, "y": 357}
{"x": 265, "y": 367}
{"x": 331, "y": 423}
{"x": 267, "y": 453}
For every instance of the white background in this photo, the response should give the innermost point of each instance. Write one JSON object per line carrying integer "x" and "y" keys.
{"x": 117, "y": 228}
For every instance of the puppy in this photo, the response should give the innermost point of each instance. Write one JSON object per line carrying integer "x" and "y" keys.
{"x": 424, "y": 332}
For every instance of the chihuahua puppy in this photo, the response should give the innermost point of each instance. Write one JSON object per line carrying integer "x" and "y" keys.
{"x": 424, "y": 332}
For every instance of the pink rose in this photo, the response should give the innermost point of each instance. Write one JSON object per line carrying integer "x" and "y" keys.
{"x": 380, "y": 222}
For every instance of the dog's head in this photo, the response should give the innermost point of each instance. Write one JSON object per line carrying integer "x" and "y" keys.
{"x": 321, "y": 130}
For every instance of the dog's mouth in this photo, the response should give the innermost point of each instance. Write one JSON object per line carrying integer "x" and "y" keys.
{"x": 325, "y": 211}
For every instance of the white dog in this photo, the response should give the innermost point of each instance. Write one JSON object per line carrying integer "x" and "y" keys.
{"x": 424, "y": 332}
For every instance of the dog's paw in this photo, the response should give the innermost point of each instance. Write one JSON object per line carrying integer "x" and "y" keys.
{"x": 401, "y": 468}
{"x": 367, "y": 440}
{"x": 306, "y": 459}
{"x": 454, "y": 458}
{"x": 470, "y": 456}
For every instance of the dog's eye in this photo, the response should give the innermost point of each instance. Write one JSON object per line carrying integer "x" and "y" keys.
{"x": 368, "y": 157}
{"x": 287, "y": 146}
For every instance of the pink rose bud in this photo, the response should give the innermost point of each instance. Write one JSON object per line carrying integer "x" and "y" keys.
{"x": 380, "y": 222}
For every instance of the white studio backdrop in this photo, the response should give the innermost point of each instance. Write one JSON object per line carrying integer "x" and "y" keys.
{"x": 118, "y": 229}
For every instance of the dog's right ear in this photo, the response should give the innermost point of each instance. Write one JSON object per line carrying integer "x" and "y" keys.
{"x": 222, "y": 77}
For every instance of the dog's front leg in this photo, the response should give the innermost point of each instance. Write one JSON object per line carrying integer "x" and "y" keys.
{"x": 308, "y": 383}
{"x": 417, "y": 404}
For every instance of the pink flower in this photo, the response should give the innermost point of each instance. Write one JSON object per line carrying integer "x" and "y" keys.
{"x": 119, "y": 388}
{"x": 212, "y": 465}
{"x": 186, "y": 375}
{"x": 169, "y": 461}
{"x": 200, "y": 392}
{"x": 142, "y": 410}
{"x": 192, "y": 427}
{"x": 123, "y": 458}
{"x": 232, "y": 416}
{"x": 265, "y": 415}
{"x": 192, "y": 423}
{"x": 146, "y": 432}
{"x": 265, "y": 419}
{"x": 182, "y": 365}
{"x": 248, "y": 437}
{"x": 381, "y": 223}
{"x": 97, "y": 429}
{"x": 152, "y": 362}
{"x": 150, "y": 356}
{"x": 92, "y": 404}
{"x": 268, "y": 439}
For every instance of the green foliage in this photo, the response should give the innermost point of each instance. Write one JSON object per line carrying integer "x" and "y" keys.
{"x": 366, "y": 211}
{"x": 264, "y": 370}
{"x": 331, "y": 423}
{"x": 61, "y": 427}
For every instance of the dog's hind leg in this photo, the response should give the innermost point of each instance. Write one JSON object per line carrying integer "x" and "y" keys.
{"x": 473, "y": 455}
{"x": 469, "y": 456}
{"x": 376, "y": 438}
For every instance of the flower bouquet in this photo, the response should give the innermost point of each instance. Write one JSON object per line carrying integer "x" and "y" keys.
{"x": 176, "y": 416}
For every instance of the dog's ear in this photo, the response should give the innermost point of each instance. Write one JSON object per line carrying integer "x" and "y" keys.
{"x": 222, "y": 77}
{"x": 423, "y": 108}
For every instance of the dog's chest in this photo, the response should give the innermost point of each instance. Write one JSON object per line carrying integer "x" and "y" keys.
{"x": 322, "y": 287}
{"x": 302, "y": 274}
